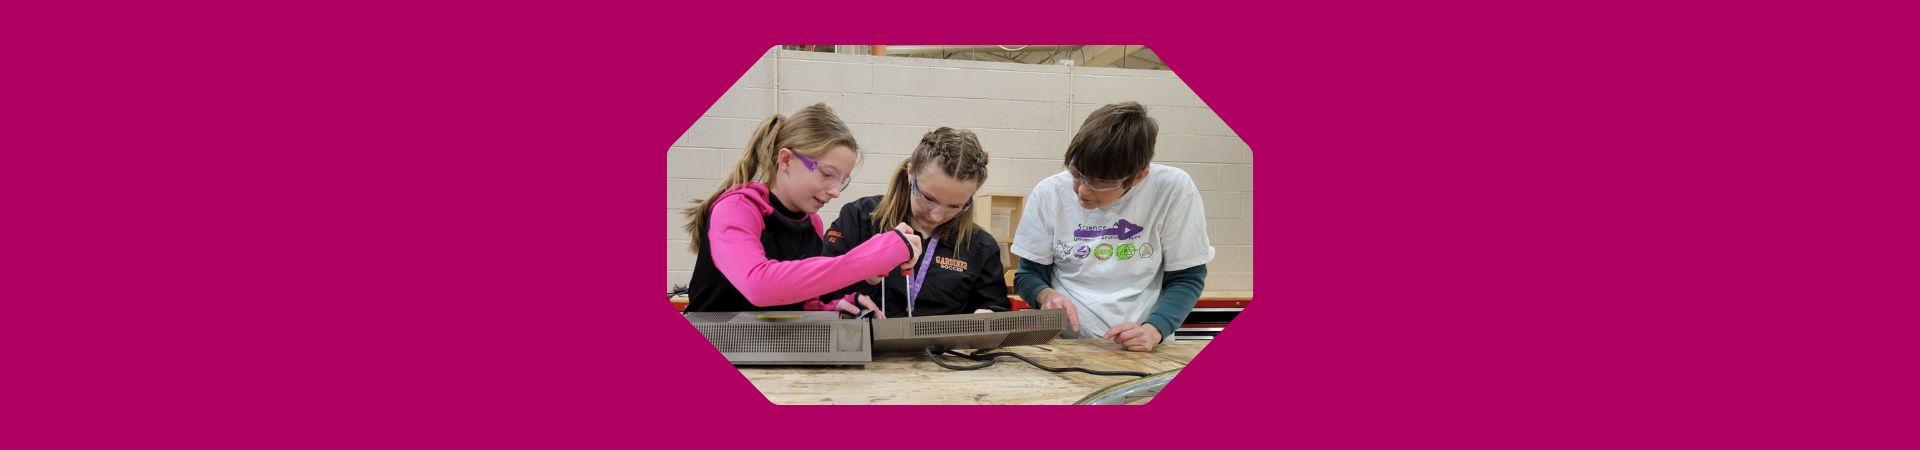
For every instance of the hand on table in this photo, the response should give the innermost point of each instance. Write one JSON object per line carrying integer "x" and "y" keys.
{"x": 1134, "y": 337}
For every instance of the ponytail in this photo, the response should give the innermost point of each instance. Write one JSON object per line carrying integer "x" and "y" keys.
{"x": 810, "y": 132}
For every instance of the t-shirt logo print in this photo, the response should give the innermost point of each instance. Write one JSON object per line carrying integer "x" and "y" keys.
{"x": 1122, "y": 229}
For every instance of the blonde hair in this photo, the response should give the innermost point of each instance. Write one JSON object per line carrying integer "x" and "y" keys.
{"x": 955, "y": 151}
{"x": 810, "y": 132}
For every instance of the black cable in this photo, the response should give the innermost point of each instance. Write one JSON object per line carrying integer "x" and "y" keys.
{"x": 976, "y": 355}
{"x": 989, "y": 358}
{"x": 936, "y": 360}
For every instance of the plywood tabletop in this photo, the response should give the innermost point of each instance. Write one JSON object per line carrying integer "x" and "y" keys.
{"x": 910, "y": 379}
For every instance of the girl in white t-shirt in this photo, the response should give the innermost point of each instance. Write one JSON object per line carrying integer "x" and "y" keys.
{"x": 1117, "y": 241}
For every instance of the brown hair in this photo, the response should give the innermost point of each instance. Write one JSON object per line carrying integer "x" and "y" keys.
{"x": 1116, "y": 142}
{"x": 955, "y": 151}
{"x": 810, "y": 132}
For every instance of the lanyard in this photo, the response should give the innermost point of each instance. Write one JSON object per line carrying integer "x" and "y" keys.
{"x": 920, "y": 274}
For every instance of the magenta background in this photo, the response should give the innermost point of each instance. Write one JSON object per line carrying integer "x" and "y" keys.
{"x": 1504, "y": 225}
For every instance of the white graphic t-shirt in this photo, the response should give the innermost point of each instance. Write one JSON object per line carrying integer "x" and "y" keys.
{"x": 1111, "y": 261}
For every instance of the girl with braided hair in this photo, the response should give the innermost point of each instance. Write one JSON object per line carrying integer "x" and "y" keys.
{"x": 932, "y": 191}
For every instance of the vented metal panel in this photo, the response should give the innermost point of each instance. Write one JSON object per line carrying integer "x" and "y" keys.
{"x": 1025, "y": 323}
{"x": 949, "y": 327}
{"x": 785, "y": 338}
{"x": 962, "y": 331}
{"x": 771, "y": 338}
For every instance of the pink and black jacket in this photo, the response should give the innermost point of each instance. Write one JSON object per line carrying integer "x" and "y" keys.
{"x": 757, "y": 256}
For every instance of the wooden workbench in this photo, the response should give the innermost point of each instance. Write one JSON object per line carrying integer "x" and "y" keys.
{"x": 909, "y": 379}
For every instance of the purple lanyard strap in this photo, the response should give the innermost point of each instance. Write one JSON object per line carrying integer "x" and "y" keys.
{"x": 920, "y": 274}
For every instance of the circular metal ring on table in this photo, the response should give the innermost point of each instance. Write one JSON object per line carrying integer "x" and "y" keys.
{"x": 1130, "y": 391}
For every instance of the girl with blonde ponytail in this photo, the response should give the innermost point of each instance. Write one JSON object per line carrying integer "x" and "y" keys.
{"x": 932, "y": 191}
{"x": 758, "y": 236}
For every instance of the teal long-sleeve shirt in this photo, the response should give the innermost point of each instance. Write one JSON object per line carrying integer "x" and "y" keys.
{"x": 1179, "y": 291}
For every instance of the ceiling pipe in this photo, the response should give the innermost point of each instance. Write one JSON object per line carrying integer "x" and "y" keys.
{"x": 968, "y": 49}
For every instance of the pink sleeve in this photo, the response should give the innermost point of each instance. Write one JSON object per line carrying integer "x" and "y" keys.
{"x": 821, "y": 230}
{"x": 734, "y": 231}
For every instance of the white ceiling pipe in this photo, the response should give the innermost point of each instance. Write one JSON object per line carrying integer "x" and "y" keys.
{"x": 926, "y": 49}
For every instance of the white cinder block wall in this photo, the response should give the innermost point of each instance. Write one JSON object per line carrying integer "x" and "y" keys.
{"x": 1024, "y": 114}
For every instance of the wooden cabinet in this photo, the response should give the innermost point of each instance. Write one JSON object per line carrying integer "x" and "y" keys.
{"x": 1000, "y": 216}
